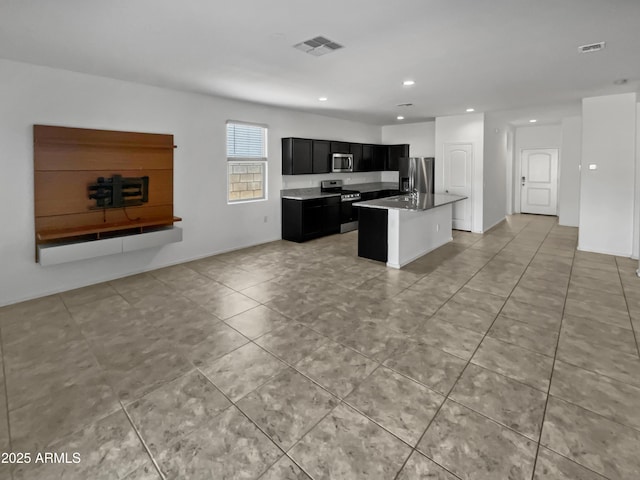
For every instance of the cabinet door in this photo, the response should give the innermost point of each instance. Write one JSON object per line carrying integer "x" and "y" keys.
{"x": 321, "y": 156}
{"x": 356, "y": 150}
{"x": 339, "y": 147}
{"x": 331, "y": 215}
{"x": 312, "y": 218}
{"x": 380, "y": 155}
{"x": 296, "y": 156}
{"x": 396, "y": 152}
{"x": 367, "y": 158}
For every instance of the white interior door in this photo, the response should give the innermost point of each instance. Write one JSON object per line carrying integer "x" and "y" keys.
{"x": 539, "y": 181}
{"x": 458, "y": 165}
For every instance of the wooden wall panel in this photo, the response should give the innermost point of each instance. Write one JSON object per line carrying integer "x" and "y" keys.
{"x": 85, "y": 136}
{"x": 95, "y": 217}
{"x": 92, "y": 157}
{"x": 67, "y": 160}
{"x": 66, "y": 192}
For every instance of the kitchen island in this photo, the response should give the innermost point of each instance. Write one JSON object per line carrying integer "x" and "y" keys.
{"x": 398, "y": 230}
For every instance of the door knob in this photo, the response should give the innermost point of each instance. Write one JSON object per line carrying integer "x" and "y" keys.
{"x": 446, "y": 191}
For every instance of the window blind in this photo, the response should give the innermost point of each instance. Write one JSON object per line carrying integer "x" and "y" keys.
{"x": 246, "y": 141}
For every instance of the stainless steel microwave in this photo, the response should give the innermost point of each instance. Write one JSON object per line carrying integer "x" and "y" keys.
{"x": 342, "y": 162}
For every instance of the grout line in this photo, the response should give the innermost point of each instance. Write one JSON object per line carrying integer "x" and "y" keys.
{"x": 636, "y": 335}
{"x": 484, "y": 336}
{"x": 446, "y": 397}
{"x": 553, "y": 367}
{"x": 144, "y": 444}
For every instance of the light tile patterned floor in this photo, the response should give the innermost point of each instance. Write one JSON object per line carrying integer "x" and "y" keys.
{"x": 508, "y": 355}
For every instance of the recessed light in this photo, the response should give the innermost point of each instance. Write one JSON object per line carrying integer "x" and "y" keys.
{"x": 471, "y": 110}
{"x": 323, "y": 99}
{"x": 408, "y": 83}
{"x": 533, "y": 120}
{"x": 400, "y": 117}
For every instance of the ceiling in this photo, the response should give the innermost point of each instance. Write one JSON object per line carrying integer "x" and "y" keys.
{"x": 492, "y": 55}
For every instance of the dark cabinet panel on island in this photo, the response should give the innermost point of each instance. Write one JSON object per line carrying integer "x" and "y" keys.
{"x": 339, "y": 147}
{"x": 321, "y": 156}
{"x": 396, "y": 152}
{"x": 372, "y": 234}
{"x": 307, "y": 219}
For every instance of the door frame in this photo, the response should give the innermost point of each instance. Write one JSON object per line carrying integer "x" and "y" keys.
{"x": 472, "y": 198}
{"x": 517, "y": 185}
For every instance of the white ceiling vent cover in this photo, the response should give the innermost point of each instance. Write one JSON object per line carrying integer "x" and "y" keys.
{"x": 318, "y": 46}
{"x": 592, "y": 47}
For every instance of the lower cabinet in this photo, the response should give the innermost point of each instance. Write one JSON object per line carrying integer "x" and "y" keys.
{"x": 303, "y": 220}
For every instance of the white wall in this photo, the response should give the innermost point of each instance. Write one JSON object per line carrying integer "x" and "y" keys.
{"x": 421, "y": 137}
{"x": 570, "y": 157}
{"x": 543, "y": 136}
{"x": 304, "y": 181}
{"x": 463, "y": 129}
{"x": 37, "y": 95}
{"x": 498, "y": 154}
{"x": 607, "y": 196}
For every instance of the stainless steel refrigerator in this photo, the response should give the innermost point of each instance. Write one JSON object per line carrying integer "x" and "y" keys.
{"x": 416, "y": 174}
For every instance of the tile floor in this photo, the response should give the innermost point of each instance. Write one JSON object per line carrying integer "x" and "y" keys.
{"x": 508, "y": 355}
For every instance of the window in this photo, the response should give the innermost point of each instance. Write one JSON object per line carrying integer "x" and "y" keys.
{"x": 247, "y": 162}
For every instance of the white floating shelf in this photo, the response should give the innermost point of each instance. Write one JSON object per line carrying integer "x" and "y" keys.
{"x": 54, "y": 254}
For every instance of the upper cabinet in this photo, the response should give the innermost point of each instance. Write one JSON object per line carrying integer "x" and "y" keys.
{"x": 340, "y": 147}
{"x": 396, "y": 152}
{"x": 304, "y": 156}
{"x": 321, "y": 156}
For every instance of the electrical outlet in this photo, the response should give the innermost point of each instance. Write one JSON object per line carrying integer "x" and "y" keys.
{"x": 266, "y": 219}
{"x": 437, "y": 227}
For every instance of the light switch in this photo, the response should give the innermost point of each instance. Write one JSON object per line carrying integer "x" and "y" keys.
{"x": 593, "y": 166}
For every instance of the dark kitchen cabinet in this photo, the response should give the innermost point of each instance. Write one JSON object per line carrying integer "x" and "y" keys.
{"x": 339, "y": 147}
{"x": 331, "y": 216}
{"x": 297, "y": 156}
{"x": 396, "y": 152}
{"x": 366, "y": 196}
{"x": 321, "y": 156}
{"x": 304, "y": 156}
{"x": 356, "y": 150}
{"x": 380, "y": 157}
{"x": 372, "y": 234}
{"x": 366, "y": 163}
{"x": 388, "y": 193}
{"x": 307, "y": 219}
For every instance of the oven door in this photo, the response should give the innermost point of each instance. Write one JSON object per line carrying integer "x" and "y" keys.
{"x": 348, "y": 216}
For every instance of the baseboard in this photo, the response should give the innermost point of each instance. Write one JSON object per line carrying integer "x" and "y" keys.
{"x": 110, "y": 278}
{"x": 604, "y": 252}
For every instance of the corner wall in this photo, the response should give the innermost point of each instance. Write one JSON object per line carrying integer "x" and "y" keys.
{"x": 498, "y": 154}
{"x": 463, "y": 129}
{"x": 39, "y": 95}
{"x": 570, "y": 158}
{"x": 607, "y": 194}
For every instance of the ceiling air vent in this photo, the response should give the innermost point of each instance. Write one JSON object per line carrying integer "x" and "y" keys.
{"x": 317, "y": 46}
{"x": 592, "y": 47}
{"x": 405, "y": 105}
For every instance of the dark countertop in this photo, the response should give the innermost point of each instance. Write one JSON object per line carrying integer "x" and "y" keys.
{"x": 314, "y": 192}
{"x": 419, "y": 203}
